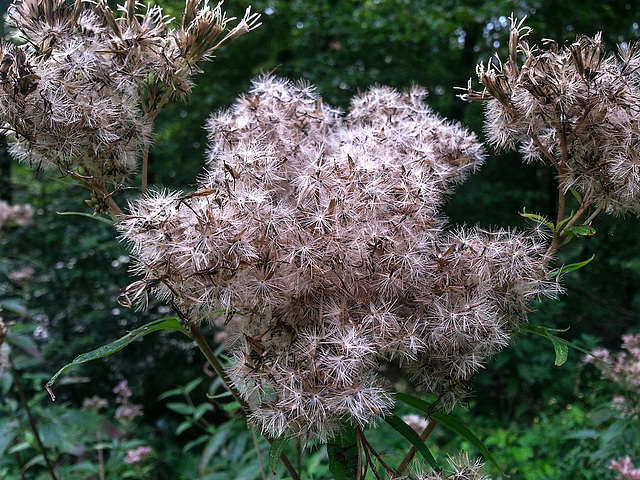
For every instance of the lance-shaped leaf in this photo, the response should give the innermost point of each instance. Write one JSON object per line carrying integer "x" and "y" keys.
{"x": 560, "y": 345}
{"x": 170, "y": 323}
{"x": 276, "y": 450}
{"x": 451, "y": 423}
{"x": 569, "y": 268}
{"x": 410, "y": 434}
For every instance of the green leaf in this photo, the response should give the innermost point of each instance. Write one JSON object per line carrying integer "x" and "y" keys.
{"x": 410, "y": 434}
{"x": 106, "y": 220}
{"x": 170, "y": 323}
{"x": 538, "y": 219}
{"x": 343, "y": 455}
{"x": 449, "y": 422}
{"x": 570, "y": 268}
{"x": 186, "y": 425}
{"x": 181, "y": 408}
{"x": 458, "y": 427}
{"x": 201, "y": 410}
{"x": 277, "y": 447}
{"x": 8, "y": 431}
{"x": 415, "y": 402}
{"x": 560, "y": 345}
{"x": 576, "y": 195}
{"x": 14, "y": 305}
{"x": 580, "y": 231}
{"x": 565, "y": 221}
{"x": 189, "y": 387}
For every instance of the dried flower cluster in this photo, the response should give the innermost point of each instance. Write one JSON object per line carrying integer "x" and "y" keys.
{"x": 316, "y": 240}
{"x": 460, "y": 468}
{"x": 72, "y": 94}
{"x": 622, "y": 368}
{"x": 574, "y": 106}
{"x": 21, "y": 214}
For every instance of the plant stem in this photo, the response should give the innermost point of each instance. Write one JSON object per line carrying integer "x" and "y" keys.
{"x": 19, "y": 462}
{"x": 196, "y": 335}
{"x": 257, "y": 447}
{"x": 100, "y": 458}
{"x": 32, "y": 421}
{"x": 412, "y": 451}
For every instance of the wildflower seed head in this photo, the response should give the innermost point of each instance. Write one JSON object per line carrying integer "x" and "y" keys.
{"x": 316, "y": 239}
{"x": 574, "y": 106}
{"x": 71, "y": 96}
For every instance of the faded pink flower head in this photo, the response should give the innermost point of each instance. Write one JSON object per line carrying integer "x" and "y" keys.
{"x": 624, "y": 467}
{"x": 128, "y": 412}
{"x": 137, "y": 455}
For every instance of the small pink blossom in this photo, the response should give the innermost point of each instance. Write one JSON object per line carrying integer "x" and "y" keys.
{"x": 128, "y": 412}
{"x": 135, "y": 456}
{"x": 94, "y": 403}
{"x": 123, "y": 392}
{"x": 624, "y": 467}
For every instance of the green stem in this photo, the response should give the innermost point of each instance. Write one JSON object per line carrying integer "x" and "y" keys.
{"x": 32, "y": 421}
{"x": 196, "y": 335}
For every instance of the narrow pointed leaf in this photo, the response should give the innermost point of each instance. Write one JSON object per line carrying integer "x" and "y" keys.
{"x": 170, "y": 323}
{"x": 410, "y": 434}
{"x": 449, "y": 422}
{"x": 277, "y": 447}
{"x": 576, "y": 195}
{"x": 106, "y": 220}
{"x": 570, "y": 268}
{"x": 560, "y": 345}
{"x": 539, "y": 219}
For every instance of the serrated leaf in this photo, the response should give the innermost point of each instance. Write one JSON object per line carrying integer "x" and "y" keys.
{"x": 410, "y": 434}
{"x": 277, "y": 447}
{"x": 170, "y": 323}
{"x": 560, "y": 345}
{"x": 570, "y": 268}
{"x": 343, "y": 455}
{"x": 449, "y": 422}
